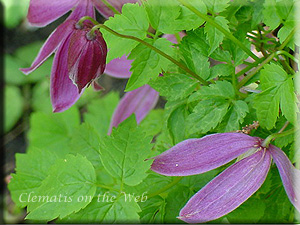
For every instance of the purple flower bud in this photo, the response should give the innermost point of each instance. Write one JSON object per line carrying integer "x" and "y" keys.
{"x": 86, "y": 56}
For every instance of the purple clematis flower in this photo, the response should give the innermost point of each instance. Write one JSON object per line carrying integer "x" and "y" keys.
{"x": 43, "y": 12}
{"x": 86, "y": 56}
{"x": 66, "y": 71}
{"x": 140, "y": 101}
{"x": 235, "y": 184}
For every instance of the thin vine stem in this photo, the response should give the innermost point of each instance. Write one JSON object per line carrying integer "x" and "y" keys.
{"x": 281, "y": 52}
{"x": 168, "y": 186}
{"x": 267, "y": 141}
{"x": 220, "y": 28}
{"x": 170, "y": 58}
{"x": 108, "y": 5}
{"x": 267, "y": 60}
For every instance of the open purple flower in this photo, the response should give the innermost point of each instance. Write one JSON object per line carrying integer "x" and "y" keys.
{"x": 235, "y": 184}
{"x": 43, "y": 12}
{"x": 140, "y": 101}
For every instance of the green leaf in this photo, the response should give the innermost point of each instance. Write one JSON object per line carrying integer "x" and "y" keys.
{"x": 234, "y": 117}
{"x": 246, "y": 213}
{"x": 207, "y": 115}
{"x": 31, "y": 169}
{"x": 221, "y": 70}
{"x": 187, "y": 19}
{"x": 221, "y": 89}
{"x": 153, "y": 122}
{"x": 216, "y": 101}
{"x": 174, "y": 86}
{"x": 133, "y": 21}
{"x": 68, "y": 188}
{"x": 107, "y": 208}
{"x": 147, "y": 63}
{"x": 175, "y": 201}
{"x": 25, "y": 56}
{"x": 271, "y": 18}
{"x": 267, "y": 107}
{"x": 278, "y": 88}
{"x": 213, "y": 35}
{"x": 15, "y": 12}
{"x": 216, "y": 6}
{"x": 279, "y": 209}
{"x": 53, "y": 132}
{"x": 86, "y": 141}
{"x": 99, "y": 112}
{"x": 176, "y": 123}
{"x": 156, "y": 181}
{"x": 13, "y": 106}
{"x": 41, "y": 97}
{"x": 194, "y": 51}
{"x": 123, "y": 153}
{"x": 163, "y": 14}
{"x": 285, "y": 9}
{"x": 153, "y": 210}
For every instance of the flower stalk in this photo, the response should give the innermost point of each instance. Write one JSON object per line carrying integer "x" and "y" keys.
{"x": 170, "y": 58}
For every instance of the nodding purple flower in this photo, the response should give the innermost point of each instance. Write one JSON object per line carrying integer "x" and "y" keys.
{"x": 91, "y": 49}
{"x": 235, "y": 184}
{"x": 86, "y": 55}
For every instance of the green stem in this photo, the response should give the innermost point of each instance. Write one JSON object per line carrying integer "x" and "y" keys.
{"x": 281, "y": 52}
{"x": 220, "y": 28}
{"x": 168, "y": 186}
{"x": 170, "y": 58}
{"x": 267, "y": 141}
{"x": 108, "y": 5}
{"x": 253, "y": 72}
{"x": 267, "y": 60}
{"x": 95, "y": 22}
{"x": 286, "y": 65}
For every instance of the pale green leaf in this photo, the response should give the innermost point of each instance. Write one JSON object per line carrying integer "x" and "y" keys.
{"x": 133, "y": 21}
{"x": 31, "y": 169}
{"x": 207, "y": 115}
{"x": 69, "y": 187}
{"x": 13, "y": 106}
{"x": 107, "y": 208}
{"x": 123, "y": 153}
{"x": 147, "y": 63}
{"x": 213, "y": 35}
{"x": 174, "y": 86}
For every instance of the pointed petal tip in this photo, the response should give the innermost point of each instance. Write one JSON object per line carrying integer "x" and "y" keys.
{"x": 26, "y": 71}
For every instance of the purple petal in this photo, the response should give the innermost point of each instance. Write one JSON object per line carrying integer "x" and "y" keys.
{"x": 63, "y": 92}
{"x": 90, "y": 60}
{"x": 83, "y": 8}
{"x": 117, "y": 4}
{"x": 119, "y": 68}
{"x": 51, "y": 44}
{"x": 139, "y": 101}
{"x": 195, "y": 156}
{"x": 43, "y": 12}
{"x": 228, "y": 190}
{"x": 290, "y": 176}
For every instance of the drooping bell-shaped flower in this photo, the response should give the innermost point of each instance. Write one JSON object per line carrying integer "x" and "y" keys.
{"x": 86, "y": 55}
{"x": 235, "y": 184}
